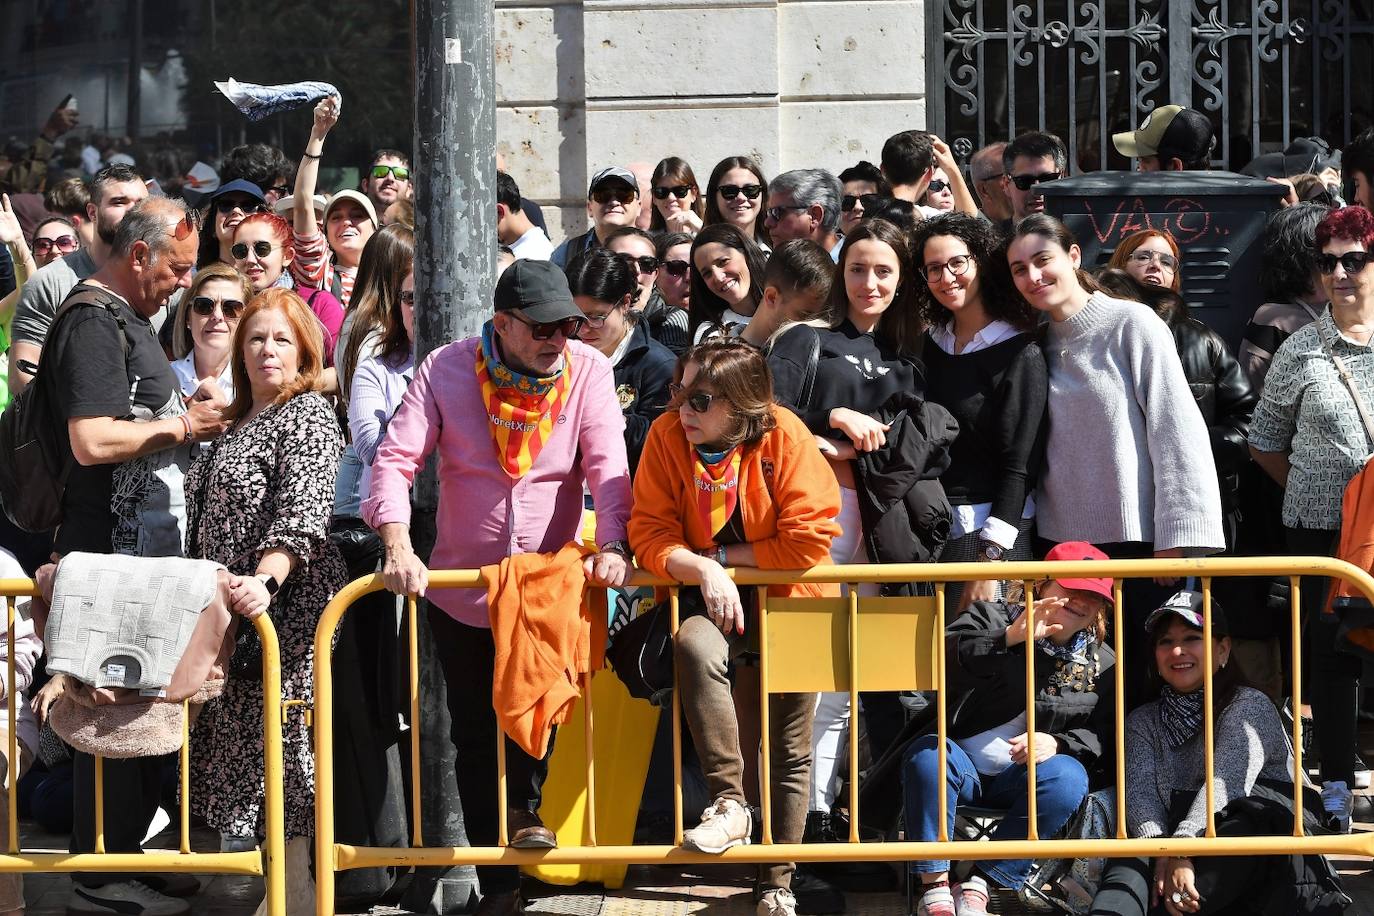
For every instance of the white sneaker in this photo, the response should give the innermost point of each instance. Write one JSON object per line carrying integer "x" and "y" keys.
{"x": 777, "y": 902}
{"x": 726, "y": 823}
{"x": 127, "y": 898}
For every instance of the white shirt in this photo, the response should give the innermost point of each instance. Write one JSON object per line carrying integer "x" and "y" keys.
{"x": 728, "y": 318}
{"x": 990, "y": 751}
{"x": 185, "y": 371}
{"x": 979, "y": 517}
{"x": 534, "y": 245}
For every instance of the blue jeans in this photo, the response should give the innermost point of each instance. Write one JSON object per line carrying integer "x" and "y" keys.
{"x": 1061, "y": 785}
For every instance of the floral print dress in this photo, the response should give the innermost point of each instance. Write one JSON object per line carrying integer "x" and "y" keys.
{"x": 267, "y": 483}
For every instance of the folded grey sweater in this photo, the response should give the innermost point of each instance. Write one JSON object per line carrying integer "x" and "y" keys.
{"x": 1128, "y": 456}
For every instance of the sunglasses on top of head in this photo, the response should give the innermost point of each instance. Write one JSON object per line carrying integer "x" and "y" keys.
{"x": 204, "y": 306}
{"x": 662, "y": 192}
{"x": 545, "y": 330}
{"x": 63, "y": 243}
{"x": 619, "y": 195}
{"x": 399, "y": 172}
{"x": 699, "y": 401}
{"x": 260, "y": 248}
{"x": 1352, "y": 261}
{"x": 1026, "y": 182}
{"x": 731, "y": 191}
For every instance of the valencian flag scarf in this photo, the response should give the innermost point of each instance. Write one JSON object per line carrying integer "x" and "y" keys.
{"x": 716, "y": 476}
{"x": 521, "y": 409}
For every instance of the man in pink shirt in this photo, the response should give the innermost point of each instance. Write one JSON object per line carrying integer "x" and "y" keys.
{"x": 520, "y": 417}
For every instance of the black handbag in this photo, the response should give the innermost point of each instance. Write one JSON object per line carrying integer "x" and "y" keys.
{"x": 641, "y": 654}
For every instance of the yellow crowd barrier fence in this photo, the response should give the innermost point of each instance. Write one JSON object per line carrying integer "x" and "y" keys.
{"x": 848, "y": 644}
{"x": 268, "y": 862}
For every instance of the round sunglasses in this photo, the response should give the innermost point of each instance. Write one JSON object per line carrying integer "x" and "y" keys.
{"x": 260, "y": 248}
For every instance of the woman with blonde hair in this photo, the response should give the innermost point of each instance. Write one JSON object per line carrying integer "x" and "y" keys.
{"x": 257, "y": 501}
{"x": 203, "y": 332}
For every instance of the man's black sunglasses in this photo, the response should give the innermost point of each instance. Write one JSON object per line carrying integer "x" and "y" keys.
{"x": 1026, "y": 182}
{"x": 867, "y": 201}
{"x": 545, "y": 330}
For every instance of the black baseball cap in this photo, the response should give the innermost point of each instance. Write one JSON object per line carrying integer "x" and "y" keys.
{"x": 537, "y": 288}
{"x": 1171, "y": 131}
{"x": 1187, "y": 605}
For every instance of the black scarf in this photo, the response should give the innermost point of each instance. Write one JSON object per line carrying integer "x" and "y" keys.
{"x": 1180, "y": 714}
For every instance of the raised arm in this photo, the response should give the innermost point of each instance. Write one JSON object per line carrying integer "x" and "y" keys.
{"x": 307, "y": 176}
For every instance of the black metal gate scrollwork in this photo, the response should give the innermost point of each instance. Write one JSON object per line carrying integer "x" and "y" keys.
{"x": 1265, "y": 71}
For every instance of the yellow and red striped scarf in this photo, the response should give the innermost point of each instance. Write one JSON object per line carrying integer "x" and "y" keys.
{"x": 717, "y": 488}
{"x": 521, "y": 410}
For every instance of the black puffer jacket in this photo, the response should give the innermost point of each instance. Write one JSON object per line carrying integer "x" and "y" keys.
{"x": 986, "y": 683}
{"x": 1223, "y": 394}
{"x": 642, "y": 378}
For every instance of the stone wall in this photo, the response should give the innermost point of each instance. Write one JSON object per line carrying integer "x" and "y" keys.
{"x": 582, "y": 84}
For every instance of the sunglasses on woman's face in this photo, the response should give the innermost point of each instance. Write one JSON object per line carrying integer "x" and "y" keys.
{"x": 245, "y": 205}
{"x": 938, "y": 185}
{"x": 676, "y": 268}
{"x": 731, "y": 191}
{"x": 867, "y": 201}
{"x": 260, "y": 248}
{"x": 204, "y": 306}
{"x": 63, "y": 243}
{"x": 679, "y": 191}
{"x": 1352, "y": 261}
{"x": 408, "y": 297}
{"x": 644, "y": 264}
{"x": 699, "y": 401}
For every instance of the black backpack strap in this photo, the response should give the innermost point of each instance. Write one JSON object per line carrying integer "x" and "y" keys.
{"x": 89, "y": 296}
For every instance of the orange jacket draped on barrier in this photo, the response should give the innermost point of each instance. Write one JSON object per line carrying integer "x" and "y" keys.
{"x": 544, "y": 641}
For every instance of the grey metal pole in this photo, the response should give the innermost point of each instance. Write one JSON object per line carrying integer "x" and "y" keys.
{"x": 455, "y": 276}
{"x": 134, "y": 108}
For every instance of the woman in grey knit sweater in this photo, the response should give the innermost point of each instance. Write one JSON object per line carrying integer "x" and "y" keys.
{"x": 1128, "y": 462}
{"x": 1166, "y": 795}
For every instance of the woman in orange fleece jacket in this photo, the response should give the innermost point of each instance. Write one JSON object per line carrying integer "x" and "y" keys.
{"x": 728, "y": 478}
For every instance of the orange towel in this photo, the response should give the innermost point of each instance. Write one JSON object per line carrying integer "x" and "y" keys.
{"x": 546, "y": 637}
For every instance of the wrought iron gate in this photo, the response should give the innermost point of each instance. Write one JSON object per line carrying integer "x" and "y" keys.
{"x": 1265, "y": 71}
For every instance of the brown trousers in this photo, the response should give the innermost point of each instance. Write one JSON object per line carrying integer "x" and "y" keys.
{"x": 701, "y": 652}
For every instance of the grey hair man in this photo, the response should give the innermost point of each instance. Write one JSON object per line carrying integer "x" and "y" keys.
{"x": 805, "y": 204}
{"x": 131, "y": 436}
{"x": 115, "y": 189}
{"x": 990, "y": 182}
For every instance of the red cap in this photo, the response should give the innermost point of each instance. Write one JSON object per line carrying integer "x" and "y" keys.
{"x": 1081, "y": 550}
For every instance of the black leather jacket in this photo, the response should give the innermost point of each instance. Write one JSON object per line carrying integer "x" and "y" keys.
{"x": 1223, "y": 394}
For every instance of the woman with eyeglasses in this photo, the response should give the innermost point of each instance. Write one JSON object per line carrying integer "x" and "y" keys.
{"x": 738, "y": 194}
{"x": 1308, "y": 435}
{"x": 668, "y": 321}
{"x": 604, "y": 286}
{"x": 985, "y": 367}
{"x": 1150, "y": 256}
{"x": 263, "y": 253}
{"x": 53, "y": 238}
{"x": 636, "y": 248}
{"x": 229, "y": 206}
{"x": 1126, "y": 462}
{"x": 727, "y": 281}
{"x": 863, "y": 187}
{"x": 678, "y": 205}
{"x": 203, "y": 333}
{"x": 940, "y": 192}
{"x": 728, "y": 479}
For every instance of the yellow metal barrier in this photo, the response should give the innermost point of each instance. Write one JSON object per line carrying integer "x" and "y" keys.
{"x": 270, "y": 863}
{"x": 850, "y": 644}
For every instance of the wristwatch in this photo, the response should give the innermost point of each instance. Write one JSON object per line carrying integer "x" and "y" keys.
{"x": 270, "y": 583}
{"x": 620, "y": 547}
{"x": 987, "y": 550}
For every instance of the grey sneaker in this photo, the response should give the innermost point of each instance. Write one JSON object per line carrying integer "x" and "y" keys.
{"x": 726, "y": 823}
{"x": 129, "y": 898}
{"x": 777, "y": 902}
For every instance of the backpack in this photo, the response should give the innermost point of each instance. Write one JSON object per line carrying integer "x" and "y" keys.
{"x": 35, "y": 453}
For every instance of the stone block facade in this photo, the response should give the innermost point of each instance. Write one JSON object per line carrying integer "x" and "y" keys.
{"x": 582, "y": 84}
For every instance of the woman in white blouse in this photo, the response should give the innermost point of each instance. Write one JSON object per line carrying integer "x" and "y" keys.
{"x": 203, "y": 335}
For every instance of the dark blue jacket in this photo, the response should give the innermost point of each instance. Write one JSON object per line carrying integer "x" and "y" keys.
{"x": 642, "y": 378}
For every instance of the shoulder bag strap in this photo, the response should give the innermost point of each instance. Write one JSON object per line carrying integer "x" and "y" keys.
{"x": 812, "y": 363}
{"x": 1349, "y": 380}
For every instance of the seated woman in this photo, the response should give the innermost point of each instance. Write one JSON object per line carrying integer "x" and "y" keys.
{"x": 988, "y": 744}
{"x": 1166, "y": 795}
{"x": 730, "y": 479}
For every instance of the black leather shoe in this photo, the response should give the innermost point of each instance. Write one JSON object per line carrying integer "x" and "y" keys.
{"x": 509, "y": 903}
{"x": 527, "y": 831}
{"x": 815, "y": 896}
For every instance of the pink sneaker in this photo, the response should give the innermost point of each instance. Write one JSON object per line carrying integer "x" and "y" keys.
{"x": 938, "y": 901}
{"x": 971, "y": 897}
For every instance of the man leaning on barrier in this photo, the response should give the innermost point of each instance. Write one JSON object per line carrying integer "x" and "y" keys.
{"x": 520, "y": 416}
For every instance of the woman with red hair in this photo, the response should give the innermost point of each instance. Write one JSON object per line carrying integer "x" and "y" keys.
{"x": 1307, "y": 434}
{"x": 263, "y": 253}
{"x": 1152, "y": 257}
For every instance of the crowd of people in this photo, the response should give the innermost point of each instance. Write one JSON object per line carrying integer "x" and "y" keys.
{"x": 902, "y": 363}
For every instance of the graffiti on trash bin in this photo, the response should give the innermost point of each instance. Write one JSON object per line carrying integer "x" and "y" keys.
{"x": 1186, "y": 219}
